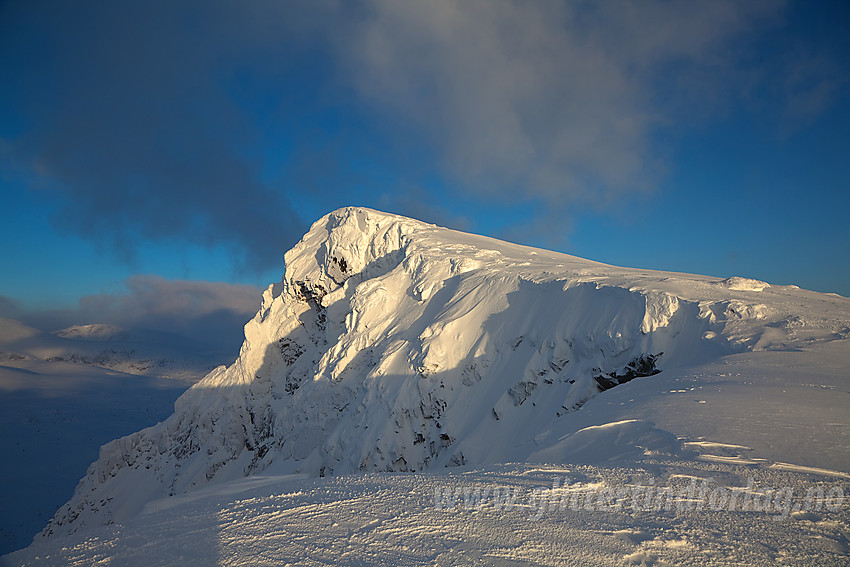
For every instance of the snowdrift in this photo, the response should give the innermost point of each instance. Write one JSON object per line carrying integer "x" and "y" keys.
{"x": 395, "y": 345}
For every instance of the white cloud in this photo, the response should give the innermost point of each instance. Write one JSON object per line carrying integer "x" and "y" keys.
{"x": 556, "y": 100}
{"x": 210, "y": 312}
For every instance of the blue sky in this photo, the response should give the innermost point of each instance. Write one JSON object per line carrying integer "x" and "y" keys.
{"x": 196, "y": 141}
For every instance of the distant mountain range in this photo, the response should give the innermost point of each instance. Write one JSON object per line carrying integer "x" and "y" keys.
{"x": 134, "y": 351}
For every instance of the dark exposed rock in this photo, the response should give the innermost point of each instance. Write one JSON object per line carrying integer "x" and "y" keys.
{"x": 289, "y": 350}
{"x": 520, "y": 392}
{"x": 640, "y": 367}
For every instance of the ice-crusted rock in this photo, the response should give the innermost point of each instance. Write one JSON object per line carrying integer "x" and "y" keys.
{"x": 395, "y": 345}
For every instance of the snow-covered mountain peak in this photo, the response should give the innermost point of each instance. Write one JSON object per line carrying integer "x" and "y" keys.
{"x": 347, "y": 242}
{"x": 395, "y": 345}
{"x": 355, "y": 241}
{"x": 94, "y": 332}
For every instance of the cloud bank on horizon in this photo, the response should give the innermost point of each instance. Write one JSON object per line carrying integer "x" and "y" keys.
{"x": 233, "y": 125}
{"x": 211, "y": 313}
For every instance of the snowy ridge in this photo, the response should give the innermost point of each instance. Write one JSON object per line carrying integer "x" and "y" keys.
{"x": 395, "y": 345}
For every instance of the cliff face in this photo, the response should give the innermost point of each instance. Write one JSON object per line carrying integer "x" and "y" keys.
{"x": 394, "y": 345}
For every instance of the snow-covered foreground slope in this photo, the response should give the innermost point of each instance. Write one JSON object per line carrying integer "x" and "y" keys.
{"x": 651, "y": 512}
{"x": 392, "y": 345}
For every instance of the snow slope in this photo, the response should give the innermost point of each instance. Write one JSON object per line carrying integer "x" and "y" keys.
{"x": 507, "y": 515}
{"x": 394, "y": 345}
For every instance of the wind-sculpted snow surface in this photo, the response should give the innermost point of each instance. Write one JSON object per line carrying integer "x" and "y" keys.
{"x": 395, "y": 345}
{"x": 660, "y": 514}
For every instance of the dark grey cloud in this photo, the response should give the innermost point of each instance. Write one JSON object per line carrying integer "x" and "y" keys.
{"x": 209, "y": 312}
{"x": 9, "y": 308}
{"x": 155, "y": 119}
{"x": 128, "y": 110}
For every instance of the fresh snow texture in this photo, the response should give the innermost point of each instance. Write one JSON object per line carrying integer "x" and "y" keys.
{"x": 392, "y": 345}
{"x": 504, "y": 515}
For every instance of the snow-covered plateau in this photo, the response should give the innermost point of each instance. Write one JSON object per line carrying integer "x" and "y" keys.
{"x": 409, "y": 394}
